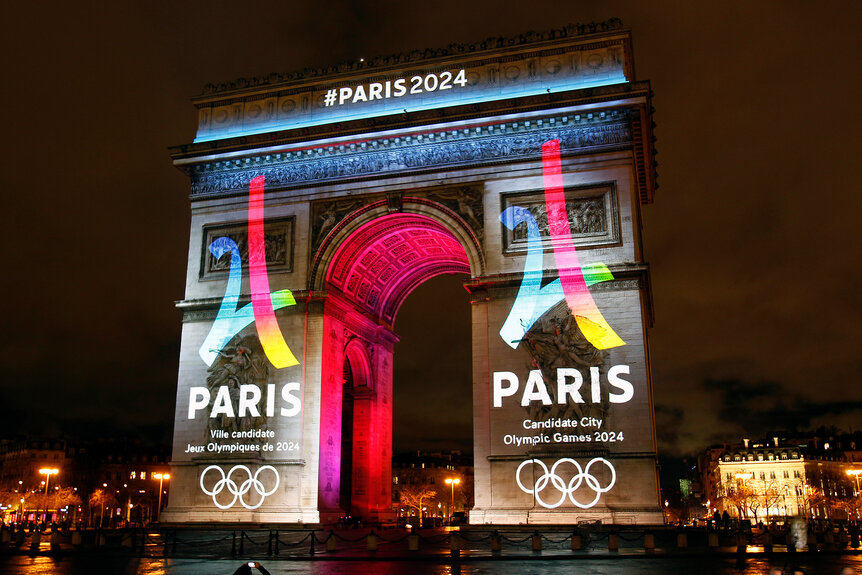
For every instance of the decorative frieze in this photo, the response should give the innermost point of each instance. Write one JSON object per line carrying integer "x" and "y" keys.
{"x": 507, "y": 142}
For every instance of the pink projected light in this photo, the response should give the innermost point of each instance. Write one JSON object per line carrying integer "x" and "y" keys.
{"x": 593, "y": 325}
{"x": 273, "y": 343}
{"x": 230, "y": 320}
{"x": 379, "y": 264}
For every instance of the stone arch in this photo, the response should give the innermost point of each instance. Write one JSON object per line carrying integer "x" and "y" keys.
{"x": 356, "y": 353}
{"x": 357, "y": 234}
{"x": 367, "y": 266}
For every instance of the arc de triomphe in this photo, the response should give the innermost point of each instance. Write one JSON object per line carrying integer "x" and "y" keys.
{"x": 320, "y": 200}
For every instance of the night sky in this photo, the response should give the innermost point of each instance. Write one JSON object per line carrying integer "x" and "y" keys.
{"x": 752, "y": 239}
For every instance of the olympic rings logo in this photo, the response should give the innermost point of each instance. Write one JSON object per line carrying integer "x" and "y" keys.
{"x": 239, "y": 491}
{"x": 581, "y": 476}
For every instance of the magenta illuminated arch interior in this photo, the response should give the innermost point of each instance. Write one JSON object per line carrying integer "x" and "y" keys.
{"x": 381, "y": 262}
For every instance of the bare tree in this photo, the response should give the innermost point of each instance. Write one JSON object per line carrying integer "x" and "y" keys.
{"x": 100, "y": 500}
{"x": 742, "y": 497}
{"x": 416, "y": 497}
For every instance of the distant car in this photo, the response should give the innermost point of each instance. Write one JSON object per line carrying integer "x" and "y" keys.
{"x": 350, "y": 521}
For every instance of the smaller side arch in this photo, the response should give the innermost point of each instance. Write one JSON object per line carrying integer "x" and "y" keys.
{"x": 356, "y": 353}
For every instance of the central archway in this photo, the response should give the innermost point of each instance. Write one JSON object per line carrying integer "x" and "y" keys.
{"x": 369, "y": 265}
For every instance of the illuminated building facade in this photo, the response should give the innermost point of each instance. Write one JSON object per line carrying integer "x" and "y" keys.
{"x": 21, "y": 459}
{"x": 771, "y": 480}
{"x": 123, "y": 470}
{"x": 320, "y": 200}
{"x": 435, "y": 472}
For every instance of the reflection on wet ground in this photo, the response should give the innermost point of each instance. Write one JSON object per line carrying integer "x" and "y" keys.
{"x": 700, "y": 564}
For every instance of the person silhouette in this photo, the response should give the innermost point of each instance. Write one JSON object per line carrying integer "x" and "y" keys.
{"x": 245, "y": 568}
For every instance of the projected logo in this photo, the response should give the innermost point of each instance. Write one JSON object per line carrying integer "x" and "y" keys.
{"x": 533, "y": 300}
{"x": 230, "y": 320}
{"x": 566, "y": 483}
{"x": 233, "y": 491}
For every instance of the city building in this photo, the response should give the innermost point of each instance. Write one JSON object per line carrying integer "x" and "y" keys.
{"x": 769, "y": 480}
{"x": 91, "y": 483}
{"x": 444, "y": 478}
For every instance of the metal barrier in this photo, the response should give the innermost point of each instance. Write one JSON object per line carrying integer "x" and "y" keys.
{"x": 456, "y": 543}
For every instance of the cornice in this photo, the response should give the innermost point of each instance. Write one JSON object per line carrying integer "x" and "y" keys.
{"x": 528, "y": 39}
{"x": 628, "y": 276}
{"x": 628, "y": 95}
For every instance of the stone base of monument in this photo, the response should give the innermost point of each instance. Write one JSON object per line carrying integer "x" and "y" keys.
{"x": 560, "y": 517}
{"x": 191, "y": 515}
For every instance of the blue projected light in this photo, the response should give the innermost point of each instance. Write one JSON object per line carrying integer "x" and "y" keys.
{"x": 533, "y": 300}
{"x": 230, "y": 320}
{"x": 359, "y": 100}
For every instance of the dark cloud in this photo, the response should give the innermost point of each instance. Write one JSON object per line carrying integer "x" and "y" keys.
{"x": 758, "y": 408}
{"x": 668, "y": 421}
{"x": 725, "y": 410}
{"x": 752, "y": 239}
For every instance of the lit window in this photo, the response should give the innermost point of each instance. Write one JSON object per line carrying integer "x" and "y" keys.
{"x": 132, "y": 475}
{"x": 143, "y": 474}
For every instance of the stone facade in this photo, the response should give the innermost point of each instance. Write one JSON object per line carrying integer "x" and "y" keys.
{"x": 773, "y": 480}
{"x": 360, "y": 208}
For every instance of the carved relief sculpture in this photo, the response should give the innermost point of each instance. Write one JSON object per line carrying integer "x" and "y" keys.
{"x": 241, "y": 362}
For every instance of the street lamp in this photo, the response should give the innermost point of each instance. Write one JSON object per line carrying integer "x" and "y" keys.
{"x": 452, "y": 482}
{"x": 48, "y": 472}
{"x": 855, "y": 474}
{"x": 161, "y": 477}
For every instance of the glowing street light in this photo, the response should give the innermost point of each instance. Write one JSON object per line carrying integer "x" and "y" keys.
{"x": 855, "y": 474}
{"x": 161, "y": 477}
{"x": 48, "y": 472}
{"x": 452, "y": 482}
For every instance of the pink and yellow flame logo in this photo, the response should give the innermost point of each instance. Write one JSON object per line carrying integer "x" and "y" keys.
{"x": 261, "y": 310}
{"x": 533, "y": 300}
